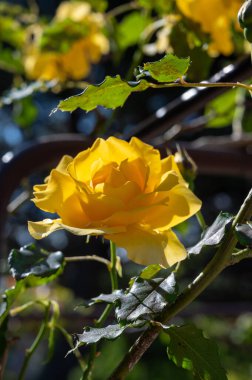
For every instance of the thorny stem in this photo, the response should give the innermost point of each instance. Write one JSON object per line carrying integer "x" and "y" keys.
{"x": 222, "y": 259}
{"x": 114, "y": 285}
{"x": 30, "y": 351}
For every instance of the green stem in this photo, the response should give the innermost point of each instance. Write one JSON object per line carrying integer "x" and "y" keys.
{"x": 182, "y": 83}
{"x": 114, "y": 285}
{"x": 113, "y": 272}
{"x": 88, "y": 258}
{"x": 69, "y": 340}
{"x": 240, "y": 255}
{"x": 201, "y": 220}
{"x": 30, "y": 351}
{"x": 203, "y": 280}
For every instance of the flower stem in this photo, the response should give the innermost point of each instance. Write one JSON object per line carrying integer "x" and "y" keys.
{"x": 201, "y": 220}
{"x": 114, "y": 285}
{"x": 113, "y": 272}
{"x": 88, "y": 258}
{"x": 203, "y": 280}
{"x": 69, "y": 340}
{"x": 30, "y": 351}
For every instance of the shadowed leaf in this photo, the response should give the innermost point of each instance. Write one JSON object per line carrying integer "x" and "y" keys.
{"x": 244, "y": 234}
{"x": 189, "y": 349}
{"x": 213, "y": 235}
{"x": 35, "y": 265}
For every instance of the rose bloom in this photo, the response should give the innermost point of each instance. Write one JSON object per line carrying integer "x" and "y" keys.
{"x": 123, "y": 191}
{"x": 215, "y": 17}
{"x": 75, "y": 63}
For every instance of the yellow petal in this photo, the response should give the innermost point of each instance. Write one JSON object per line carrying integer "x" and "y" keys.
{"x": 41, "y": 229}
{"x": 169, "y": 165}
{"x": 100, "y": 206}
{"x": 135, "y": 171}
{"x": 150, "y": 247}
{"x": 151, "y": 158}
{"x": 168, "y": 181}
{"x": 182, "y": 204}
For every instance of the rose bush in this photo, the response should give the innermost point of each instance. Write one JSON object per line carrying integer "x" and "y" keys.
{"x": 123, "y": 191}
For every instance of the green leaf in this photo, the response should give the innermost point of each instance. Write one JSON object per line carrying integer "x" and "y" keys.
{"x": 168, "y": 69}
{"x": 150, "y": 271}
{"x": 94, "y": 335}
{"x": 111, "y": 93}
{"x": 213, "y": 235}
{"x": 221, "y": 110}
{"x": 160, "y": 6}
{"x": 25, "y": 112}
{"x": 9, "y": 61}
{"x": 130, "y": 28}
{"x": 189, "y": 349}
{"x": 244, "y": 234}
{"x": 8, "y": 298}
{"x": 146, "y": 298}
{"x": 35, "y": 265}
{"x": 30, "y": 266}
{"x": 107, "y": 298}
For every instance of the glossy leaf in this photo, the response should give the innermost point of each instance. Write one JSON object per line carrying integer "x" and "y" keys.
{"x": 35, "y": 265}
{"x": 146, "y": 298}
{"x": 168, "y": 69}
{"x": 111, "y": 93}
{"x": 106, "y": 298}
{"x": 244, "y": 234}
{"x": 94, "y": 335}
{"x": 213, "y": 235}
{"x": 189, "y": 349}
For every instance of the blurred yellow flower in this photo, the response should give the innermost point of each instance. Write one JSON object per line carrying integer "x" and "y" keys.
{"x": 75, "y": 61}
{"x": 216, "y": 18}
{"x": 123, "y": 191}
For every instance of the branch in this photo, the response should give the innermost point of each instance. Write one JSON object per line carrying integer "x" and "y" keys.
{"x": 205, "y": 278}
{"x": 239, "y": 256}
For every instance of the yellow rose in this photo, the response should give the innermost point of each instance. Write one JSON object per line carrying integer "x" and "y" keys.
{"x": 215, "y": 18}
{"x": 123, "y": 191}
{"x": 75, "y": 63}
